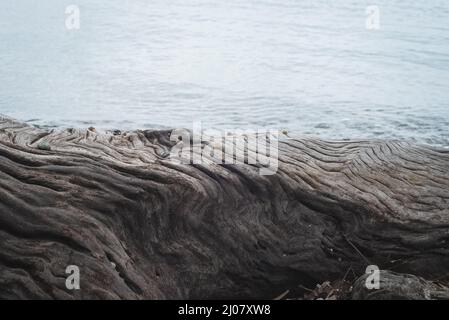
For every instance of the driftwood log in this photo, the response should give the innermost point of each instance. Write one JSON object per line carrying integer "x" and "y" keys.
{"x": 140, "y": 226}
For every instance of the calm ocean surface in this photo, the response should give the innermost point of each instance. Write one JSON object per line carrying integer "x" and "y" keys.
{"x": 310, "y": 67}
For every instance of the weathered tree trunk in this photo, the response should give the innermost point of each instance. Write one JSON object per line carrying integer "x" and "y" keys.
{"x": 140, "y": 226}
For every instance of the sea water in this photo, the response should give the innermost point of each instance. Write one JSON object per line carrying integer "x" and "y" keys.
{"x": 314, "y": 67}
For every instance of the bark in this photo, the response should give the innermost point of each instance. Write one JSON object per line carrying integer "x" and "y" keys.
{"x": 140, "y": 226}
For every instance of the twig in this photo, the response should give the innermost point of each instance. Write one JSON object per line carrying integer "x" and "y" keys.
{"x": 357, "y": 250}
{"x": 282, "y": 295}
{"x": 330, "y": 294}
{"x": 347, "y": 272}
{"x": 305, "y": 288}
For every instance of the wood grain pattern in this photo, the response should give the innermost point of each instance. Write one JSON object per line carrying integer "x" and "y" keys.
{"x": 142, "y": 227}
